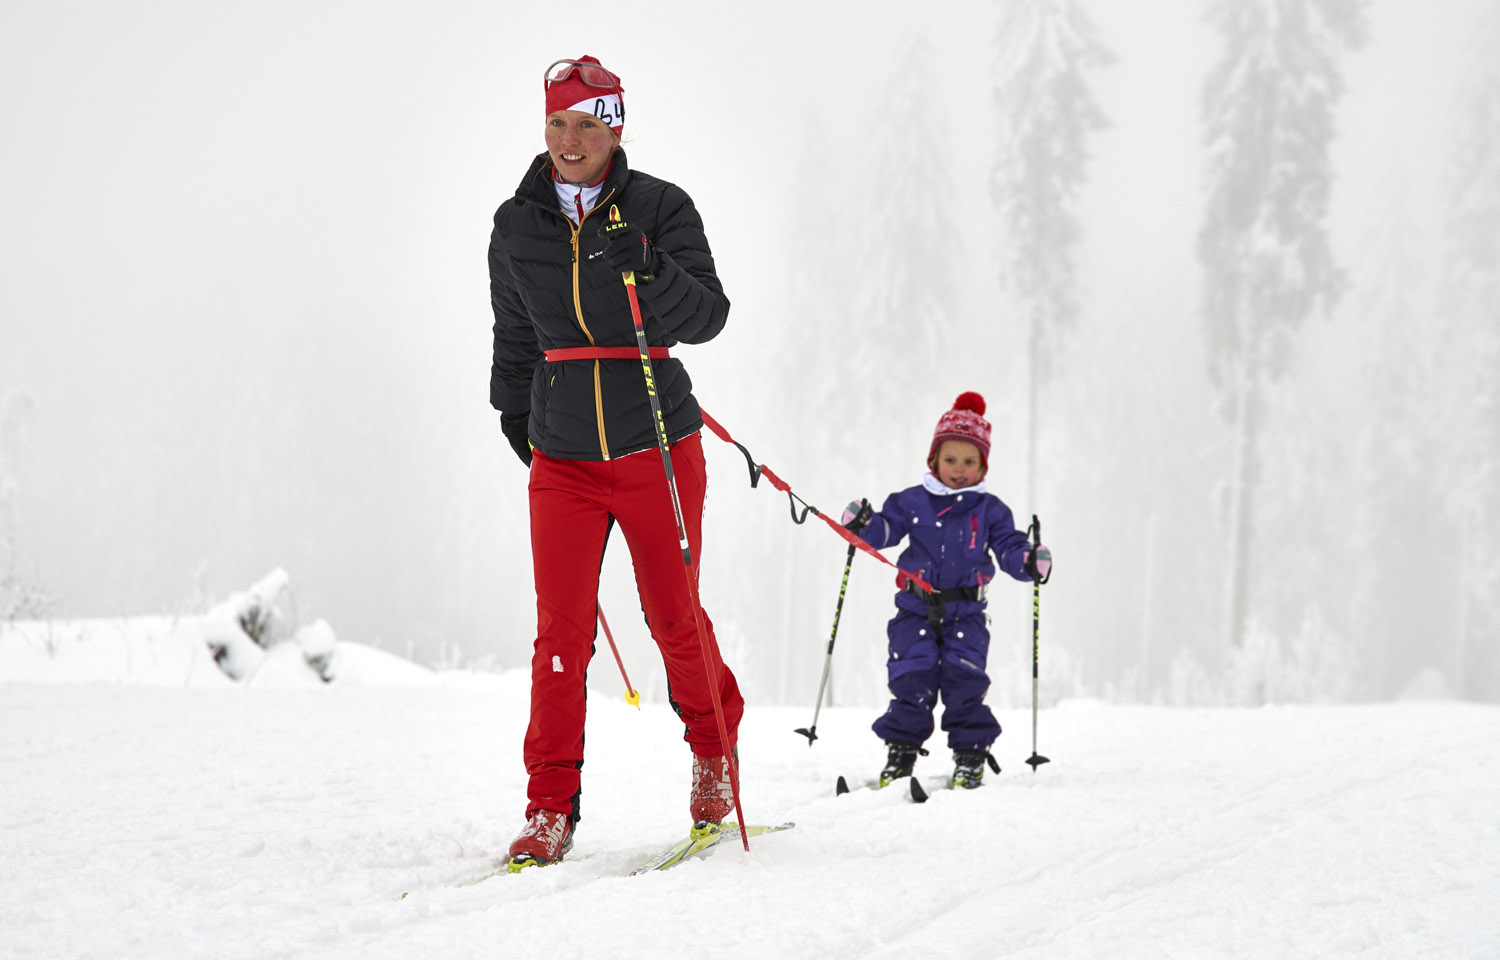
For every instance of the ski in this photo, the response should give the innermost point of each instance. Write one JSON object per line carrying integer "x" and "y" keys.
{"x": 919, "y": 794}
{"x": 915, "y": 791}
{"x": 518, "y": 863}
{"x": 842, "y": 787}
{"x": 703, "y": 837}
{"x": 475, "y": 881}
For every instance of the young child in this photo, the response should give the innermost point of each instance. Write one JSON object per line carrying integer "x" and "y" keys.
{"x": 939, "y": 642}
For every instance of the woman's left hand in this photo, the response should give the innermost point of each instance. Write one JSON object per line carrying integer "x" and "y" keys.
{"x": 627, "y": 249}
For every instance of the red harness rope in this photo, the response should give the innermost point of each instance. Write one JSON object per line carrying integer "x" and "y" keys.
{"x": 761, "y": 470}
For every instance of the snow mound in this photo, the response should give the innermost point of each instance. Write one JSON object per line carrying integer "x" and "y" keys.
{"x": 181, "y": 652}
{"x": 150, "y": 651}
{"x": 357, "y": 665}
{"x": 245, "y": 640}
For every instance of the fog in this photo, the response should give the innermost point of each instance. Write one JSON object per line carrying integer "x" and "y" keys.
{"x": 244, "y": 324}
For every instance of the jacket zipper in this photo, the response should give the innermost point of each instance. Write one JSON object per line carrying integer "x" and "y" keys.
{"x": 578, "y": 310}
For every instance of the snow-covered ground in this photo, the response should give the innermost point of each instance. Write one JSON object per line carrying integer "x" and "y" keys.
{"x": 279, "y": 818}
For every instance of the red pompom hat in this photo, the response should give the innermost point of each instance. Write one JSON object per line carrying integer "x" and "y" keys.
{"x": 571, "y": 93}
{"x": 964, "y": 422}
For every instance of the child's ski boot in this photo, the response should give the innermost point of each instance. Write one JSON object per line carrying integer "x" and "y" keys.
{"x": 968, "y": 768}
{"x": 900, "y": 758}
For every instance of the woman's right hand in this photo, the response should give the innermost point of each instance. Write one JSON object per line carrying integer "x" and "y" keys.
{"x": 515, "y": 431}
{"x": 627, "y": 249}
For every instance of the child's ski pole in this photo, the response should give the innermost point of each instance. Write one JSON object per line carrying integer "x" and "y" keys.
{"x": 632, "y": 695}
{"x": 1036, "y": 759}
{"x": 811, "y": 733}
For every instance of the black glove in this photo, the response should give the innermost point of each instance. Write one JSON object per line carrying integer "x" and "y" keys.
{"x": 857, "y": 515}
{"x": 626, "y": 249}
{"x": 514, "y": 429}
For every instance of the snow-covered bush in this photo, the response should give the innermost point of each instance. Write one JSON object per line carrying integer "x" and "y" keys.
{"x": 258, "y": 611}
{"x": 23, "y": 595}
{"x": 1189, "y": 684}
{"x": 1314, "y": 665}
{"x": 319, "y": 648}
{"x": 1059, "y": 677}
{"x": 220, "y": 648}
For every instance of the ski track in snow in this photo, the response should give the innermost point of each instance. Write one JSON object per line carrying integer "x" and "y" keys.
{"x": 239, "y": 823}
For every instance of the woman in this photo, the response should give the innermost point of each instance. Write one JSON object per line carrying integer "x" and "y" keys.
{"x": 574, "y": 404}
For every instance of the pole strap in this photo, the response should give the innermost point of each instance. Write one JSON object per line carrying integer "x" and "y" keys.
{"x": 761, "y": 470}
{"x": 1034, "y": 537}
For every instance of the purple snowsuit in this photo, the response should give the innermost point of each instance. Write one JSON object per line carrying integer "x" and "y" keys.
{"x": 951, "y": 535}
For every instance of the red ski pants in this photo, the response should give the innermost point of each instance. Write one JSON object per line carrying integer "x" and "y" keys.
{"x": 572, "y": 503}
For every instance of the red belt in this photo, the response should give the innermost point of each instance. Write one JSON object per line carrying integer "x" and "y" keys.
{"x": 604, "y": 353}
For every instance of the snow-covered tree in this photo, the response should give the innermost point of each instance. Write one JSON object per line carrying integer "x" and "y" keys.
{"x": 1468, "y": 390}
{"x": 875, "y": 264}
{"x": 22, "y": 591}
{"x": 1381, "y": 467}
{"x": 1046, "y": 111}
{"x": 1268, "y": 113}
{"x": 906, "y": 312}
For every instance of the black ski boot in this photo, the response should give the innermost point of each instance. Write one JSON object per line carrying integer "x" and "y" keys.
{"x": 968, "y": 767}
{"x": 899, "y": 760}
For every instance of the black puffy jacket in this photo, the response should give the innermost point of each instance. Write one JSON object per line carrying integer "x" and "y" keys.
{"x": 551, "y": 288}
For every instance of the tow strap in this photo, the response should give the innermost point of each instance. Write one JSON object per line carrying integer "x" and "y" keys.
{"x": 758, "y": 470}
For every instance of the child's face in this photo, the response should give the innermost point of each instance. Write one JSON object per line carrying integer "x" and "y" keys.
{"x": 958, "y": 464}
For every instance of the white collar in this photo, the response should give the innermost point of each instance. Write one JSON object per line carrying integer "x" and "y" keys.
{"x": 570, "y": 195}
{"x": 935, "y": 486}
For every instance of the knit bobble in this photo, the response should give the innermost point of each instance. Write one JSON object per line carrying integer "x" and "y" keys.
{"x": 970, "y": 401}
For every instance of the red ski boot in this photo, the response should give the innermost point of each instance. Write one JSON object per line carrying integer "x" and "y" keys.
{"x": 547, "y": 836}
{"x": 712, "y": 798}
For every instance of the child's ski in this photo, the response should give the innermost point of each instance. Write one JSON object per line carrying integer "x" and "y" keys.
{"x": 702, "y": 837}
{"x": 919, "y": 793}
{"x": 842, "y": 787}
{"x": 916, "y": 791}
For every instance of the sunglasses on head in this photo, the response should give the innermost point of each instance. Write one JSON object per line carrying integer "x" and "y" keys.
{"x": 591, "y": 74}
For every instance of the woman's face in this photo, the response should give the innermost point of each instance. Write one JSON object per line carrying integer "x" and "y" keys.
{"x": 580, "y": 145}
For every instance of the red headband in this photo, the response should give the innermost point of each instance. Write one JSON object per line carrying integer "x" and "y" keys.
{"x": 587, "y": 87}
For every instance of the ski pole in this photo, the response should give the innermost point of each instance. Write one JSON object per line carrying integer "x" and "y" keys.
{"x": 1036, "y": 759}
{"x": 682, "y": 538}
{"x": 811, "y": 733}
{"x": 632, "y": 695}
